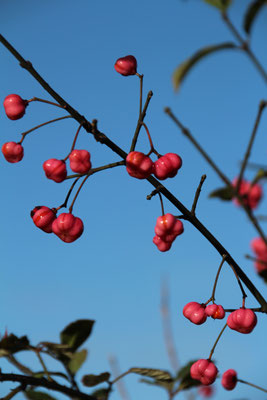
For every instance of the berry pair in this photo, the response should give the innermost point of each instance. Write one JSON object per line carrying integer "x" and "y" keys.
{"x": 140, "y": 166}
{"x": 167, "y": 229}
{"x": 79, "y": 162}
{"x": 198, "y": 313}
{"x": 251, "y": 194}
{"x": 67, "y": 227}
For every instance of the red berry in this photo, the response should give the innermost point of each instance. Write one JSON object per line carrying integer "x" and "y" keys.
{"x": 243, "y": 320}
{"x": 67, "y": 227}
{"x": 229, "y": 379}
{"x": 195, "y": 312}
{"x": 126, "y": 65}
{"x": 43, "y": 218}
{"x": 13, "y": 152}
{"x": 259, "y": 247}
{"x": 204, "y": 371}
{"x": 206, "y": 391}
{"x": 80, "y": 161}
{"x": 168, "y": 227}
{"x": 139, "y": 165}
{"x": 251, "y": 194}
{"x": 215, "y": 311}
{"x": 15, "y": 106}
{"x": 161, "y": 244}
{"x": 167, "y": 166}
{"x": 55, "y": 169}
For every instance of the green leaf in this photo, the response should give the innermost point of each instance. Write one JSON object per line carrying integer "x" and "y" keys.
{"x": 76, "y": 333}
{"x": 163, "y": 384}
{"x": 76, "y": 361}
{"x": 61, "y": 352}
{"x": 34, "y": 395}
{"x": 251, "y": 13}
{"x": 93, "y": 380}
{"x": 101, "y": 394}
{"x": 221, "y": 4}
{"x": 260, "y": 175}
{"x": 183, "y": 69}
{"x": 12, "y": 344}
{"x": 225, "y": 193}
{"x": 186, "y": 382}
{"x": 158, "y": 374}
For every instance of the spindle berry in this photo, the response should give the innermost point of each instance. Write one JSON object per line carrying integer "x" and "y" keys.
{"x": 204, "y": 371}
{"x": 67, "y": 227}
{"x": 195, "y": 312}
{"x": 243, "y": 320}
{"x": 80, "y": 161}
{"x": 43, "y": 217}
{"x": 138, "y": 165}
{"x": 215, "y": 311}
{"x": 126, "y": 65}
{"x": 167, "y": 166}
{"x": 55, "y": 169}
{"x": 229, "y": 379}
{"x": 251, "y": 194}
{"x": 13, "y": 152}
{"x": 15, "y": 106}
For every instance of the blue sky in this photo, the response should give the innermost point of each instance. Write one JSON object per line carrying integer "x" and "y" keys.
{"x": 113, "y": 273}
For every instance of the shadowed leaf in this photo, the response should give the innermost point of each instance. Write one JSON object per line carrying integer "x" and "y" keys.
{"x": 225, "y": 193}
{"x": 251, "y": 13}
{"x": 12, "y": 344}
{"x": 93, "y": 380}
{"x": 101, "y": 394}
{"x": 221, "y": 4}
{"x": 183, "y": 69}
{"x": 76, "y": 333}
{"x": 61, "y": 352}
{"x": 76, "y": 361}
{"x": 157, "y": 374}
{"x": 163, "y": 384}
{"x": 34, "y": 395}
{"x": 186, "y": 382}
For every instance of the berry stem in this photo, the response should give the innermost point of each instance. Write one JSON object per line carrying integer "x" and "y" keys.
{"x": 43, "y": 124}
{"x": 37, "y": 352}
{"x": 45, "y": 101}
{"x": 94, "y": 170}
{"x": 217, "y": 340}
{"x": 194, "y": 205}
{"x": 256, "y": 259}
{"x": 140, "y": 120}
{"x": 161, "y": 203}
{"x": 212, "y": 298}
{"x": 152, "y": 150}
{"x": 77, "y": 193}
{"x": 74, "y": 142}
{"x": 252, "y": 384}
{"x": 153, "y": 193}
{"x": 64, "y": 205}
{"x": 239, "y": 283}
{"x": 120, "y": 377}
{"x": 141, "y": 93}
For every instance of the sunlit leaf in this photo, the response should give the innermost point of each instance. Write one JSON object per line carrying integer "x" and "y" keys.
{"x": 76, "y": 361}
{"x": 93, "y": 380}
{"x": 186, "y": 382}
{"x": 158, "y": 374}
{"x": 225, "y": 193}
{"x": 76, "y": 333}
{"x": 12, "y": 344}
{"x": 251, "y": 13}
{"x": 221, "y": 4}
{"x": 34, "y": 395}
{"x": 183, "y": 69}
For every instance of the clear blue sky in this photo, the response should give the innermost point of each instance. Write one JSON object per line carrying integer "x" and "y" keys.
{"x": 113, "y": 272}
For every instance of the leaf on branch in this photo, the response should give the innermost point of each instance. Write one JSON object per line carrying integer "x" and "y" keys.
{"x": 157, "y": 374}
{"x": 101, "y": 394}
{"x": 221, "y": 4}
{"x": 260, "y": 175}
{"x": 183, "y": 69}
{"x": 61, "y": 352}
{"x": 76, "y": 333}
{"x": 163, "y": 384}
{"x": 34, "y": 395}
{"x": 12, "y": 344}
{"x": 225, "y": 193}
{"x": 186, "y": 382}
{"x": 76, "y": 361}
{"x": 93, "y": 380}
{"x": 251, "y": 13}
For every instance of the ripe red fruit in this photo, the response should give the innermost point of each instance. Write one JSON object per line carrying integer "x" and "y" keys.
{"x": 204, "y": 371}
{"x": 126, "y": 65}
{"x": 215, "y": 311}
{"x": 167, "y": 166}
{"x": 206, "y": 391}
{"x": 55, "y": 169}
{"x": 243, "y": 320}
{"x": 168, "y": 227}
{"x": 67, "y": 227}
{"x": 229, "y": 379}
{"x": 13, "y": 152}
{"x": 139, "y": 165}
{"x": 161, "y": 244}
{"x": 259, "y": 247}
{"x": 195, "y": 312}
{"x": 252, "y": 194}
{"x": 15, "y": 106}
{"x": 80, "y": 161}
{"x": 43, "y": 218}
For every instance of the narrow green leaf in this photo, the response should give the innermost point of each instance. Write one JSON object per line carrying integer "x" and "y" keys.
{"x": 251, "y": 13}
{"x": 76, "y": 333}
{"x": 221, "y": 4}
{"x": 183, "y": 69}
{"x": 158, "y": 374}
{"x": 34, "y": 395}
{"x": 93, "y": 380}
{"x": 12, "y": 344}
{"x": 163, "y": 384}
{"x": 76, "y": 361}
{"x": 101, "y": 394}
{"x": 186, "y": 382}
{"x": 225, "y": 193}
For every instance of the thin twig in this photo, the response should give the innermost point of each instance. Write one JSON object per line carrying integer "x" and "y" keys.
{"x": 140, "y": 120}
{"x": 13, "y": 393}
{"x": 94, "y": 170}
{"x": 202, "y": 180}
{"x": 25, "y": 370}
{"x": 216, "y": 341}
{"x": 244, "y": 295}
{"x": 212, "y": 298}
{"x": 252, "y": 384}
{"x": 114, "y": 366}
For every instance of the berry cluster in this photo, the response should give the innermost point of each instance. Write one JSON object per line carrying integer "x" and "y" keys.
{"x": 250, "y": 193}
{"x": 167, "y": 229}
{"x": 198, "y": 313}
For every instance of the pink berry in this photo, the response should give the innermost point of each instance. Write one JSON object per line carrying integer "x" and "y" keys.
{"x": 80, "y": 161}
{"x": 55, "y": 169}
{"x": 251, "y": 194}
{"x": 206, "y": 391}
{"x": 13, "y": 152}
{"x": 215, "y": 311}
{"x": 67, "y": 227}
{"x": 15, "y": 106}
{"x": 43, "y": 218}
{"x": 229, "y": 379}
{"x": 126, "y": 65}
{"x": 204, "y": 371}
{"x": 195, "y": 312}
{"x": 243, "y": 320}
{"x": 259, "y": 247}
{"x": 138, "y": 165}
{"x": 167, "y": 166}
{"x": 168, "y": 227}
{"x": 161, "y": 244}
